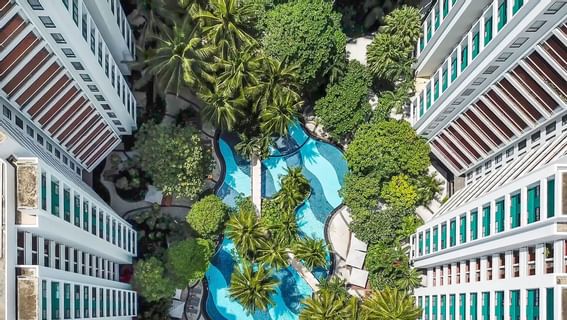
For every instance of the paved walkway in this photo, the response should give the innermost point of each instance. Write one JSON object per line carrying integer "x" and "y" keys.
{"x": 338, "y": 234}
{"x": 304, "y": 272}
{"x": 356, "y": 48}
{"x": 257, "y": 184}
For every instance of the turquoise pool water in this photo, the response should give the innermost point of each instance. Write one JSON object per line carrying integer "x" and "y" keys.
{"x": 325, "y": 167}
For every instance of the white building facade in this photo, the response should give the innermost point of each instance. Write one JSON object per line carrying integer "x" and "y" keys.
{"x": 492, "y": 102}
{"x": 62, "y": 71}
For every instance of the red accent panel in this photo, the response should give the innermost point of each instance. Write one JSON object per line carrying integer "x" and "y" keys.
{"x": 519, "y": 98}
{"x": 5, "y": 6}
{"x": 482, "y": 126}
{"x": 67, "y": 115}
{"x": 531, "y": 85}
{"x": 11, "y": 30}
{"x": 27, "y": 72}
{"x": 75, "y": 123}
{"x": 447, "y": 155}
{"x": 498, "y": 123}
{"x": 82, "y": 131}
{"x": 546, "y": 71}
{"x": 101, "y": 152}
{"x": 91, "y": 135}
{"x": 48, "y": 96}
{"x": 95, "y": 145}
{"x": 456, "y": 149}
{"x": 506, "y": 110}
{"x": 30, "y": 92}
{"x": 556, "y": 50}
{"x": 471, "y": 133}
{"x": 58, "y": 106}
{"x": 17, "y": 54}
{"x": 464, "y": 142}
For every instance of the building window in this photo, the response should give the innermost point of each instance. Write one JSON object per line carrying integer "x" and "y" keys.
{"x": 105, "y": 106}
{"x": 121, "y": 129}
{"x": 112, "y": 114}
{"x": 550, "y": 128}
{"x": 68, "y": 53}
{"x": 66, "y": 3}
{"x": 518, "y": 43}
{"x": 99, "y": 97}
{"x": 554, "y": 8}
{"x": 49, "y": 147}
{"x": 39, "y": 139}
{"x": 521, "y": 145}
{"x": 30, "y": 131}
{"x": 116, "y": 122}
{"x": 57, "y": 154}
{"x": 34, "y": 4}
{"x": 7, "y": 112}
{"x": 503, "y": 57}
{"x": 58, "y": 38}
{"x": 76, "y": 12}
{"x": 86, "y": 77}
{"x": 536, "y": 136}
{"x": 93, "y": 37}
{"x": 19, "y": 122}
{"x": 99, "y": 51}
{"x": 84, "y": 27}
{"x": 510, "y": 152}
{"x": 77, "y": 66}
{"x": 92, "y": 87}
{"x": 47, "y": 22}
{"x": 536, "y": 26}
{"x": 106, "y": 63}
{"x": 65, "y": 160}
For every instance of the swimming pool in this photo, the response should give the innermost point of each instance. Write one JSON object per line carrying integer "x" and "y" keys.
{"x": 325, "y": 168}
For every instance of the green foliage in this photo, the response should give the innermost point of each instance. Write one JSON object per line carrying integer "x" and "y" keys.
{"x": 312, "y": 252}
{"x": 359, "y": 192}
{"x": 405, "y": 22}
{"x": 375, "y": 226}
{"x": 390, "y": 304}
{"x": 246, "y": 231}
{"x": 306, "y": 32}
{"x": 399, "y": 193}
{"x": 294, "y": 188}
{"x": 207, "y": 216}
{"x": 252, "y": 287}
{"x": 188, "y": 260}
{"x": 281, "y": 224}
{"x": 387, "y": 263}
{"x": 335, "y": 285}
{"x": 428, "y": 187}
{"x": 175, "y": 158}
{"x": 325, "y": 305}
{"x": 150, "y": 281}
{"x": 273, "y": 253}
{"x": 386, "y": 149}
{"x": 345, "y": 105}
{"x": 409, "y": 226}
{"x": 389, "y": 101}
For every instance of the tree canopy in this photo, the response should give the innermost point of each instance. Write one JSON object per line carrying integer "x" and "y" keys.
{"x": 207, "y": 216}
{"x": 188, "y": 260}
{"x": 345, "y": 105}
{"x": 150, "y": 280}
{"x": 399, "y": 193}
{"x": 306, "y": 32}
{"x": 388, "y": 148}
{"x": 175, "y": 158}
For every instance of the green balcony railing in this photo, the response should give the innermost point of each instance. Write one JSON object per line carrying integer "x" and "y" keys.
{"x": 67, "y": 205}
{"x": 77, "y": 211}
{"x": 550, "y": 198}
{"x": 533, "y": 204}
{"x": 502, "y": 15}
{"x": 54, "y": 198}
{"x": 515, "y": 305}
{"x": 486, "y": 221}
{"x": 500, "y": 216}
{"x": 474, "y": 225}
{"x": 515, "y": 210}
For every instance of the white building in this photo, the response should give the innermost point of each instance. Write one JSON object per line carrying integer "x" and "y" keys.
{"x": 62, "y": 75}
{"x": 65, "y": 103}
{"x": 492, "y": 102}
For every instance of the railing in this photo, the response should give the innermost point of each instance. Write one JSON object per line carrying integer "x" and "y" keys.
{"x": 470, "y": 46}
{"x": 432, "y": 22}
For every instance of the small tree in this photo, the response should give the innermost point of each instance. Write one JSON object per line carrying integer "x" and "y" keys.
{"x": 345, "y": 105}
{"x": 390, "y": 304}
{"x": 150, "y": 280}
{"x": 188, "y": 260}
{"x": 404, "y": 22}
{"x": 207, "y": 216}
{"x": 312, "y": 252}
{"x": 175, "y": 158}
{"x": 375, "y": 226}
{"x": 307, "y": 33}
{"x": 399, "y": 193}
{"x": 360, "y": 192}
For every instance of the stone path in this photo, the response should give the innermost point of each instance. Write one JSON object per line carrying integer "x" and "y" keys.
{"x": 303, "y": 272}
{"x": 338, "y": 234}
{"x": 356, "y": 48}
{"x": 257, "y": 184}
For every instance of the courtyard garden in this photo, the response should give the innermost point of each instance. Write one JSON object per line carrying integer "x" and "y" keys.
{"x": 256, "y": 72}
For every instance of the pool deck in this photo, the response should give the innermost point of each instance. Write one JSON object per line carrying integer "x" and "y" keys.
{"x": 257, "y": 184}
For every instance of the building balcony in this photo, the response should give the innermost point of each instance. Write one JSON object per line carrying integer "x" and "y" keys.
{"x": 502, "y": 35}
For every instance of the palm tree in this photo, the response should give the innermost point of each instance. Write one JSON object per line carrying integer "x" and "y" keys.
{"x": 295, "y": 178}
{"x": 277, "y": 116}
{"x": 388, "y": 58}
{"x": 411, "y": 279}
{"x": 244, "y": 229}
{"x": 325, "y": 305}
{"x": 428, "y": 187}
{"x": 287, "y": 231}
{"x": 273, "y": 253}
{"x": 313, "y": 252}
{"x": 180, "y": 56}
{"x": 335, "y": 285}
{"x": 278, "y": 80}
{"x": 390, "y": 304}
{"x": 248, "y": 147}
{"x": 289, "y": 197}
{"x": 240, "y": 70}
{"x": 226, "y": 24}
{"x": 404, "y": 22}
{"x": 219, "y": 108}
{"x": 252, "y": 287}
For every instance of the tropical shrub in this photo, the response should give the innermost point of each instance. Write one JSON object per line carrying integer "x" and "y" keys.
{"x": 386, "y": 149}
{"x": 188, "y": 260}
{"x": 313, "y": 252}
{"x": 150, "y": 280}
{"x": 307, "y": 33}
{"x": 175, "y": 158}
{"x": 375, "y": 226}
{"x": 359, "y": 192}
{"x": 404, "y": 22}
{"x": 399, "y": 193}
{"x": 345, "y": 105}
{"x": 252, "y": 287}
{"x": 207, "y": 216}
{"x": 246, "y": 231}
{"x": 390, "y": 304}
{"x": 386, "y": 263}
{"x": 325, "y": 305}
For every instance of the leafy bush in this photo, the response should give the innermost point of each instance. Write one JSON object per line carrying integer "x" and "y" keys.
{"x": 188, "y": 260}
{"x": 150, "y": 280}
{"x": 386, "y": 264}
{"x": 399, "y": 193}
{"x": 360, "y": 191}
{"x": 207, "y": 216}
{"x": 308, "y": 33}
{"x": 345, "y": 105}
{"x": 376, "y": 226}
{"x": 175, "y": 158}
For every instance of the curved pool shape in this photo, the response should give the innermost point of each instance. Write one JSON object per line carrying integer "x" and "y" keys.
{"x": 325, "y": 168}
